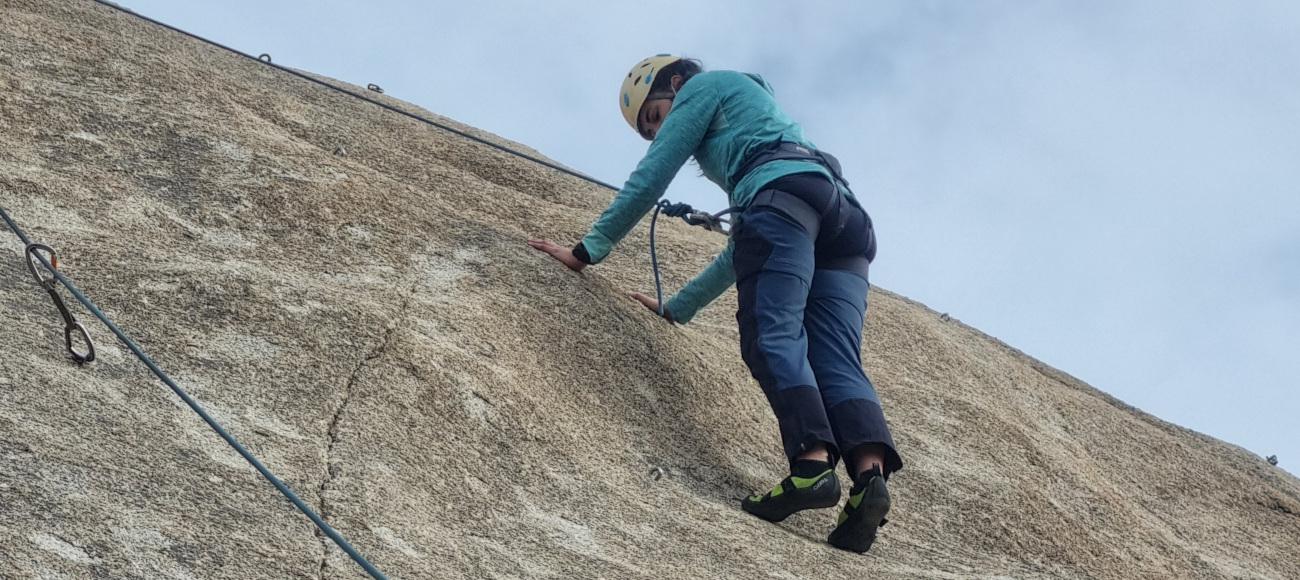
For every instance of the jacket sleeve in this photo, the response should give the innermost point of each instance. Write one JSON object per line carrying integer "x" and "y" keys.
{"x": 681, "y": 133}
{"x": 704, "y": 288}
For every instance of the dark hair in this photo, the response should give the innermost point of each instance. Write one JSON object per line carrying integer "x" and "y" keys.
{"x": 686, "y": 67}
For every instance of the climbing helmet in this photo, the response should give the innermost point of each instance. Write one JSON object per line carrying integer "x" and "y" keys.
{"x": 636, "y": 87}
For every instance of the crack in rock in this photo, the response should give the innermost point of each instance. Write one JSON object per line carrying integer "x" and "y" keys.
{"x": 331, "y": 467}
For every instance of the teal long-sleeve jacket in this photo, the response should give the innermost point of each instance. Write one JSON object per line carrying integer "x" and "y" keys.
{"x": 719, "y": 118}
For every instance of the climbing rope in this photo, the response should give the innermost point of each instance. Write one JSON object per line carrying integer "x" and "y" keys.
{"x": 33, "y": 255}
{"x": 713, "y": 222}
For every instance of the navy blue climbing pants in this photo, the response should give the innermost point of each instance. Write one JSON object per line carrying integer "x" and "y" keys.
{"x": 801, "y": 256}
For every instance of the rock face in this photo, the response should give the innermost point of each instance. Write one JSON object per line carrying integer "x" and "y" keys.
{"x": 349, "y": 292}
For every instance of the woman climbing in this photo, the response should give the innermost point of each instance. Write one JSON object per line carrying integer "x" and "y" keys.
{"x": 798, "y": 254}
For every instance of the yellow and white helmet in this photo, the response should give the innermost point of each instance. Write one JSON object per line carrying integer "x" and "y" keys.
{"x": 636, "y": 87}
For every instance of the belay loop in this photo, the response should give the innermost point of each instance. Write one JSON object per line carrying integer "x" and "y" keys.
{"x": 49, "y": 284}
{"x": 713, "y": 222}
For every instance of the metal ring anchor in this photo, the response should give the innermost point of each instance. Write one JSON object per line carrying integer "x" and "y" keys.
{"x": 266, "y": 58}
{"x": 374, "y": 87}
{"x": 70, "y": 323}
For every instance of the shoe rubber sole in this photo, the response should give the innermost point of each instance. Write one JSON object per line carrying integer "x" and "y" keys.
{"x": 857, "y": 531}
{"x": 823, "y": 494}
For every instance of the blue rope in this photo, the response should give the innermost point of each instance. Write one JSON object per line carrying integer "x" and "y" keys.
{"x": 663, "y": 206}
{"x": 711, "y": 222}
{"x": 280, "y": 485}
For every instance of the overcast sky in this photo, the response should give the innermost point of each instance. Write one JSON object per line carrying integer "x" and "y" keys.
{"x": 1110, "y": 186}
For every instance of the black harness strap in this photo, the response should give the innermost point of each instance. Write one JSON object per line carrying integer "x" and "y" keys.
{"x": 789, "y": 151}
{"x": 824, "y": 222}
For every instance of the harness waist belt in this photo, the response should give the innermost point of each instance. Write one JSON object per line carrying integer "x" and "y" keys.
{"x": 786, "y": 150}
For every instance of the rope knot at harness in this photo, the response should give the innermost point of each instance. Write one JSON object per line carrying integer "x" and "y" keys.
{"x": 709, "y": 221}
{"x": 713, "y": 222}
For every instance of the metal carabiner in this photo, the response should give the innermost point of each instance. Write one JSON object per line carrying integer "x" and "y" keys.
{"x": 709, "y": 221}
{"x": 32, "y": 264}
{"x": 90, "y": 344}
{"x": 49, "y": 284}
{"x": 374, "y": 87}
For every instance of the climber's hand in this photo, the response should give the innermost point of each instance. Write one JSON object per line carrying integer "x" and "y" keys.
{"x": 561, "y": 253}
{"x": 652, "y": 304}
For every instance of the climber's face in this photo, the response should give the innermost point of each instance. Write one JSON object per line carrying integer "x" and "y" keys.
{"x": 652, "y": 116}
{"x": 656, "y": 107}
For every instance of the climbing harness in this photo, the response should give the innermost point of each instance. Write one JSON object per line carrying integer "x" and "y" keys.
{"x": 33, "y": 254}
{"x": 788, "y": 151}
{"x": 69, "y": 321}
{"x": 713, "y": 222}
{"x": 777, "y": 151}
{"x": 792, "y": 205}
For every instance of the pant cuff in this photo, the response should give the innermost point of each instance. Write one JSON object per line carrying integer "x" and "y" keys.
{"x": 802, "y": 418}
{"x": 859, "y": 422}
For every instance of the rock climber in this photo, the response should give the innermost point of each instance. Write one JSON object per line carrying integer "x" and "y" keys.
{"x": 799, "y": 250}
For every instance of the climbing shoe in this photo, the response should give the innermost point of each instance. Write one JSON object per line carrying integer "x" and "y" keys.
{"x": 820, "y": 489}
{"x": 863, "y": 513}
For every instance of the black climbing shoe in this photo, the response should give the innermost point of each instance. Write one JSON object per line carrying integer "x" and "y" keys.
{"x": 863, "y": 513}
{"x": 794, "y": 494}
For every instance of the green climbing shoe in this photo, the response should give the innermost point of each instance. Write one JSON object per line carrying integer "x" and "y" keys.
{"x": 863, "y": 513}
{"x": 794, "y": 494}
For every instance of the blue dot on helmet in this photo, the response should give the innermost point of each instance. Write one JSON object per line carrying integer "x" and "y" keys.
{"x": 627, "y": 101}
